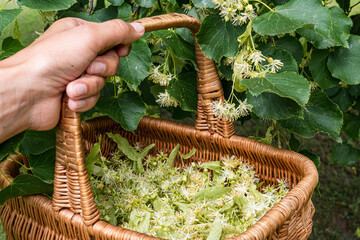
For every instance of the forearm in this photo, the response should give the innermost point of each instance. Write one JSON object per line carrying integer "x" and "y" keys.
{"x": 15, "y": 101}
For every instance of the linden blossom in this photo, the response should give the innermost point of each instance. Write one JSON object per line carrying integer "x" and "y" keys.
{"x": 188, "y": 204}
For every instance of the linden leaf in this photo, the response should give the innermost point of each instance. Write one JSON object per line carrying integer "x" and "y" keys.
{"x": 218, "y": 38}
{"x": 145, "y": 3}
{"x": 48, "y": 5}
{"x": 37, "y": 142}
{"x": 10, "y": 146}
{"x": 136, "y": 66}
{"x": 272, "y": 106}
{"x": 7, "y": 17}
{"x": 211, "y": 193}
{"x": 344, "y": 63}
{"x": 345, "y": 154}
{"x": 319, "y": 70}
{"x": 24, "y": 185}
{"x": 216, "y": 230}
{"x": 127, "y": 109}
{"x": 184, "y": 90}
{"x": 320, "y": 115}
{"x": 93, "y": 157}
{"x": 329, "y": 32}
{"x": 43, "y": 165}
{"x": 322, "y": 26}
{"x": 290, "y": 16}
{"x": 181, "y": 48}
{"x": 285, "y": 84}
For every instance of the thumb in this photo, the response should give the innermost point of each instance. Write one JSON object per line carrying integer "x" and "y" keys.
{"x": 114, "y": 32}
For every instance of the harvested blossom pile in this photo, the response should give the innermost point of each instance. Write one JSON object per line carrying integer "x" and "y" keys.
{"x": 211, "y": 200}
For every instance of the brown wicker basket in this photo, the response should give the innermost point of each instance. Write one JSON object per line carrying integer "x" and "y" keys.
{"x": 72, "y": 213}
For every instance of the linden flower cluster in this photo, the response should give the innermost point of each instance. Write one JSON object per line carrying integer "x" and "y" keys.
{"x": 159, "y": 77}
{"x": 228, "y": 111}
{"x": 249, "y": 64}
{"x": 165, "y": 100}
{"x": 237, "y": 11}
{"x": 189, "y": 204}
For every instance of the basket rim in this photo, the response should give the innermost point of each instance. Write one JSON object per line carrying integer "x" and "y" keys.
{"x": 294, "y": 201}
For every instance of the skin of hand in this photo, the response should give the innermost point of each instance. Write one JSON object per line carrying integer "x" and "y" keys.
{"x": 73, "y": 55}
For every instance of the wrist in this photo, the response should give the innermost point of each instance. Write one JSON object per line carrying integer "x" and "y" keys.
{"x": 15, "y": 100}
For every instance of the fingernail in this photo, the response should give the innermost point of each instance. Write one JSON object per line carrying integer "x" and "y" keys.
{"x": 98, "y": 67}
{"x": 79, "y": 104}
{"x": 79, "y": 89}
{"x": 138, "y": 27}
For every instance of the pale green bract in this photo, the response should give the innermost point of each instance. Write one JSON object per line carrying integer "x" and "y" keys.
{"x": 212, "y": 200}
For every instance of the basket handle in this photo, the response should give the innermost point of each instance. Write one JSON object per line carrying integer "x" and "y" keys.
{"x": 72, "y": 188}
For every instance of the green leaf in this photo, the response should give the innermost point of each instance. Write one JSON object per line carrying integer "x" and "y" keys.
{"x": 189, "y": 155}
{"x": 109, "y": 90}
{"x": 124, "y": 146}
{"x": 284, "y": 56}
{"x": 37, "y": 142}
{"x": 124, "y": 12}
{"x": 280, "y": 2}
{"x": 139, "y": 220}
{"x": 216, "y": 230}
{"x": 48, "y": 5}
{"x": 184, "y": 90}
{"x": 10, "y": 146}
{"x": 127, "y": 109}
{"x": 136, "y": 66}
{"x": 185, "y": 34}
{"x": 106, "y": 14}
{"x": 352, "y": 125}
{"x": 313, "y": 157}
{"x": 211, "y": 193}
{"x": 160, "y": 205}
{"x": 329, "y": 32}
{"x": 146, "y": 150}
{"x": 43, "y": 165}
{"x": 344, "y": 154}
{"x": 272, "y": 106}
{"x": 341, "y": 97}
{"x": 203, "y": 3}
{"x": 81, "y": 15}
{"x": 218, "y": 38}
{"x": 290, "y": 16}
{"x": 145, "y": 3}
{"x": 181, "y": 48}
{"x": 292, "y": 45}
{"x": 285, "y": 84}
{"x": 172, "y": 155}
{"x": 320, "y": 115}
{"x": 322, "y": 26}
{"x": 24, "y": 185}
{"x": 116, "y": 2}
{"x": 294, "y": 143}
{"x": 10, "y": 46}
{"x": 7, "y": 17}
{"x": 215, "y": 166}
{"x": 344, "y": 62}
{"x": 93, "y": 157}
{"x": 319, "y": 70}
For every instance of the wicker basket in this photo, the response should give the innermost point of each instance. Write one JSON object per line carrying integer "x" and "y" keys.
{"x": 72, "y": 212}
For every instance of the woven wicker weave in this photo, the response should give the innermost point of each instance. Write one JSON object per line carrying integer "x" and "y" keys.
{"x": 72, "y": 213}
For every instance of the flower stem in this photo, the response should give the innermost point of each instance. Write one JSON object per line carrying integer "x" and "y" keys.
{"x": 5, "y": 176}
{"x": 5, "y": 4}
{"x": 267, "y": 6}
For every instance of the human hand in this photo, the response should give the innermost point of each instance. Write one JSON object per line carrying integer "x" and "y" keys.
{"x": 66, "y": 57}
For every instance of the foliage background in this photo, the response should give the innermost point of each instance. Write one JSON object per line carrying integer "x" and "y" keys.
{"x": 338, "y": 198}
